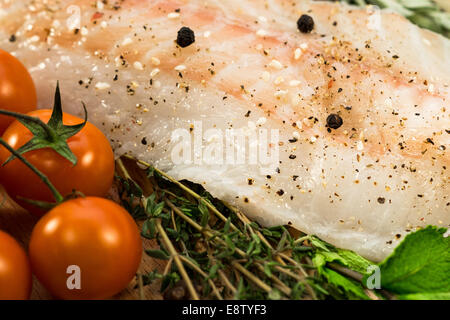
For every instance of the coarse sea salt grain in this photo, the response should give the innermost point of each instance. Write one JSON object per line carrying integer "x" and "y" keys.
{"x": 155, "y": 61}
{"x": 173, "y": 15}
{"x": 359, "y": 145}
{"x": 276, "y": 64}
{"x": 261, "y": 121}
{"x": 261, "y": 33}
{"x": 297, "y": 53}
{"x": 154, "y": 72}
{"x": 180, "y": 67}
{"x": 262, "y": 19}
{"x": 138, "y": 65}
{"x": 280, "y": 93}
{"x": 100, "y": 5}
{"x": 102, "y": 85}
{"x": 127, "y": 41}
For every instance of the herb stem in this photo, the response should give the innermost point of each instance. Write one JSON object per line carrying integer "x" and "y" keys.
{"x": 177, "y": 260}
{"x": 226, "y": 281}
{"x": 200, "y": 271}
{"x": 348, "y": 272}
{"x": 141, "y": 287}
{"x": 186, "y": 189}
{"x": 168, "y": 266}
{"x": 281, "y": 286}
{"x": 58, "y": 197}
{"x": 246, "y": 222}
{"x": 123, "y": 169}
{"x": 183, "y": 216}
{"x": 301, "y": 239}
{"x": 252, "y": 277}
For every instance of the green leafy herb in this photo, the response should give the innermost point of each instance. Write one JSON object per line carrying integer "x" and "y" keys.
{"x": 349, "y": 288}
{"x": 419, "y": 265}
{"x": 327, "y": 253}
{"x": 213, "y": 251}
{"x": 425, "y": 296}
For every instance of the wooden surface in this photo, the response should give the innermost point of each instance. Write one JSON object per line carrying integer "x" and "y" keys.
{"x": 19, "y": 223}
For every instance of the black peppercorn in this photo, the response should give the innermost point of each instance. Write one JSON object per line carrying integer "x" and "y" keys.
{"x": 334, "y": 121}
{"x": 185, "y": 37}
{"x": 12, "y": 38}
{"x": 305, "y": 23}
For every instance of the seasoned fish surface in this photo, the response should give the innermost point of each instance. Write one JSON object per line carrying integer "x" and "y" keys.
{"x": 360, "y": 104}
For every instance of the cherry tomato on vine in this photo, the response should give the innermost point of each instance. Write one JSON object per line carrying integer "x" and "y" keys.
{"x": 17, "y": 90}
{"x": 93, "y": 234}
{"x": 15, "y": 271}
{"x": 92, "y": 175}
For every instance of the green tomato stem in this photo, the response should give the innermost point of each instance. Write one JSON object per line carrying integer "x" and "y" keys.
{"x": 49, "y": 131}
{"x": 58, "y": 197}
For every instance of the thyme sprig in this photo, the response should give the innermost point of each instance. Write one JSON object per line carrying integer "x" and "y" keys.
{"x": 213, "y": 251}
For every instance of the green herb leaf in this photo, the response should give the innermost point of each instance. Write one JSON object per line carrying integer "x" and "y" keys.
{"x": 353, "y": 261}
{"x": 420, "y": 264}
{"x": 327, "y": 253}
{"x": 149, "y": 229}
{"x": 350, "y": 288}
{"x": 425, "y": 296}
{"x": 158, "y": 254}
{"x": 204, "y": 213}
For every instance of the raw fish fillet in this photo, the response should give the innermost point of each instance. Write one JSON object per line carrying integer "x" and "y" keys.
{"x": 362, "y": 186}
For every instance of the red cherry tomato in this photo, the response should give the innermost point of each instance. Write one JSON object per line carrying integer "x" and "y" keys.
{"x": 15, "y": 272}
{"x": 92, "y": 175}
{"x": 17, "y": 91}
{"x": 95, "y": 236}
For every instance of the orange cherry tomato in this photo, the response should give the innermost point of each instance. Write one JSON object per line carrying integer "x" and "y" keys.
{"x": 92, "y": 175}
{"x": 93, "y": 235}
{"x": 17, "y": 91}
{"x": 15, "y": 271}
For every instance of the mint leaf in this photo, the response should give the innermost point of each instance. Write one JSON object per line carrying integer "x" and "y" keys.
{"x": 425, "y": 296}
{"x": 349, "y": 287}
{"x": 345, "y": 286}
{"x": 326, "y": 253}
{"x": 420, "y": 264}
{"x": 353, "y": 261}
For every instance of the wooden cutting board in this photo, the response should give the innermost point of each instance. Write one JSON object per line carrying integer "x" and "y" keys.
{"x": 19, "y": 223}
